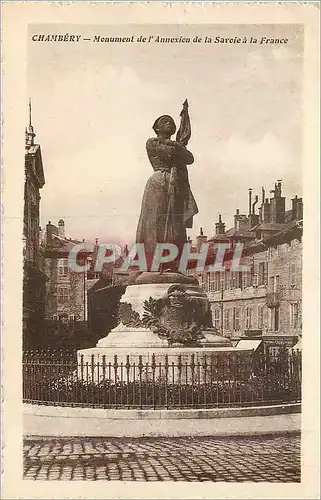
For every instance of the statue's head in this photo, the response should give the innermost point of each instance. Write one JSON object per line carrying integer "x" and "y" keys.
{"x": 165, "y": 125}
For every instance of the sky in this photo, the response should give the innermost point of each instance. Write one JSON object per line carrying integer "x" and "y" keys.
{"x": 93, "y": 106}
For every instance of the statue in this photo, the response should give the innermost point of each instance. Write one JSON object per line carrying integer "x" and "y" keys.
{"x": 163, "y": 309}
{"x": 168, "y": 205}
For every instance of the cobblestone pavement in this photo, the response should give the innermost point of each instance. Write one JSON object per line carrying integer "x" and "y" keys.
{"x": 264, "y": 458}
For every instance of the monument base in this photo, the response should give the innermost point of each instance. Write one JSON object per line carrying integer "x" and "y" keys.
{"x": 134, "y": 352}
{"x": 132, "y": 332}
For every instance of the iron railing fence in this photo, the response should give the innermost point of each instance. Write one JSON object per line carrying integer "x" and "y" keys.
{"x": 218, "y": 380}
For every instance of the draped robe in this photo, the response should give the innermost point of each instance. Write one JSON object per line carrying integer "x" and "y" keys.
{"x": 168, "y": 205}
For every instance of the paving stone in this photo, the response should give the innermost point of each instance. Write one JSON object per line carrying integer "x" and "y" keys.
{"x": 256, "y": 459}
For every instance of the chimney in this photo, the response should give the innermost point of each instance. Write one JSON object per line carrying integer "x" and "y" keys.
{"x": 266, "y": 216}
{"x": 300, "y": 209}
{"x": 278, "y": 189}
{"x": 254, "y": 218}
{"x": 277, "y": 205}
{"x": 253, "y": 205}
{"x": 61, "y": 228}
{"x": 236, "y": 216}
{"x": 262, "y": 204}
{"x": 294, "y": 207}
{"x": 50, "y": 231}
{"x": 200, "y": 239}
{"x": 297, "y": 208}
{"x": 250, "y": 201}
{"x": 219, "y": 226}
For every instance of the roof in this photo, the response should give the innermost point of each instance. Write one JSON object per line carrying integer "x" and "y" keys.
{"x": 298, "y": 345}
{"x": 269, "y": 226}
{"x": 233, "y": 233}
{"x": 219, "y": 237}
{"x": 247, "y": 344}
{"x": 60, "y": 246}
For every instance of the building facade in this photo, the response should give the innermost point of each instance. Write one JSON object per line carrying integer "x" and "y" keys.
{"x": 66, "y": 290}
{"x": 33, "y": 275}
{"x": 266, "y": 299}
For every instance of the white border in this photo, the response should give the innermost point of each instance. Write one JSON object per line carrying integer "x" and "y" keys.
{"x": 15, "y": 18}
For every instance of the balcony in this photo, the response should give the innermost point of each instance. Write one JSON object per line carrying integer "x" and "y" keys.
{"x": 273, "y": 299}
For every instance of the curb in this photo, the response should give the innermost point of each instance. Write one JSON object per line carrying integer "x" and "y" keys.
{"x": 96, "y": 422}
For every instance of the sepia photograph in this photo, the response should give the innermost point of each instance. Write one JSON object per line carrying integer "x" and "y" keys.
{"x": 162, "y": 248}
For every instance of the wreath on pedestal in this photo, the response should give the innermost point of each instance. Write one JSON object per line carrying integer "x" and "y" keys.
{"x": 156, "y": 317}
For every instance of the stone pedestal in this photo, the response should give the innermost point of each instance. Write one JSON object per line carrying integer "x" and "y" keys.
{"x": 132, "y": 351}
{"x": 130, "y": 333}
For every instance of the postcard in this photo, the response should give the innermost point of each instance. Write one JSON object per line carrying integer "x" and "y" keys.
{"x": 160, "y": 289}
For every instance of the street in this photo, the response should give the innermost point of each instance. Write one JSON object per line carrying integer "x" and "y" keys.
{"x": 232, "y": 459}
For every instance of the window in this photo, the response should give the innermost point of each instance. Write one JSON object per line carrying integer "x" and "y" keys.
{"x": 275, "y": 319}
{"x": 227, "y": 283}
{"x": 262, "y": 273}
{"x": 62, "y": 295}
{"x": 292, "y": 275}
{"x": 208, "y": 282}
{"x": 294, "y": 315}
{"x": 248, "y": 318}
{"x": 217, "y": 285}
{"x": 216, "y": 320}
{"x": 226, "y": 319}
{"x": 260, "y": 316}
{"x": 236, "y": 318}
{"x": 240, "y": 280}
{"x": 211, "y": 281}
{"x": 274, "y": 352}
{"x": 233, "y": 279}
{"x": 63, "y": 267}
{"x": 274, "y": 284}
{"x": 249, "y": 278}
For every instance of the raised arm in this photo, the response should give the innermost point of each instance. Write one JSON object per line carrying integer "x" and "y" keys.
{"x": 184, "y": 155}
{"x": 168, "y": 152}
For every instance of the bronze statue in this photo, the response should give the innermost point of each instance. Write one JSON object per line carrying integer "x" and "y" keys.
{"x": 168, "y": 205}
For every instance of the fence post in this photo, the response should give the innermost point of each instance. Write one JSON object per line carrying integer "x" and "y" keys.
{"x": 205, "y": 365}
{"x": 115, "y": 378}
{"x": 140, "y": 374}
{"x": 127, "y": 376}
{"x": 192, "y": 365}
{"x": 166, "y": 380}
{"x": 179, "y": 369}
{"x": 153, "y": 379}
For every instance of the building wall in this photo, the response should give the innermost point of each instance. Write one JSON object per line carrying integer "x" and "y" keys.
{"x": 245, "y": 299}
{"x": 66, "y": 291}
{"x": 33, "y": 276}
{"x": 285, "y": 267}
{"x": 31, "y": 213}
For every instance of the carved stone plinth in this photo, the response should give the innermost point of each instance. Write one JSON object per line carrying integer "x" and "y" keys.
{"x": 162, "y": 318}
{"x": 162, "y": 310}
